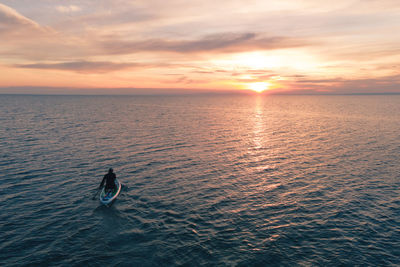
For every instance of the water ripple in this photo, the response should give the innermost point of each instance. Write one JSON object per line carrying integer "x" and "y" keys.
{"x": 225, "y": 181}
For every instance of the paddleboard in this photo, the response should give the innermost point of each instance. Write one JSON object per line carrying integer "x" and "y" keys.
{"x": 110, "y": 196}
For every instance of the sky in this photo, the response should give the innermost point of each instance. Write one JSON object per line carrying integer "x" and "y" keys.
{"x": 283, "y": 46}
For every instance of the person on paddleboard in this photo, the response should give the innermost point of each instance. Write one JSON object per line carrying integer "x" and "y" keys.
{"x": 109, "y": 179}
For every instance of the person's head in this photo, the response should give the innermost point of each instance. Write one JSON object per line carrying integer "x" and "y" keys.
{"x": 110, "y": 170}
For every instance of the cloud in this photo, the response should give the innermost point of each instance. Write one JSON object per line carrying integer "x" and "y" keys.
{"x": 68, "y": 9}
{"x": 83, "y": 66}
{"x": 107, "y": 91}
{"x": 385, "y": 84}
{"x": 13, "y": 23}
{"x": 23, "y": 38}
{"x": 224, "y": 42}
{"x": 116, "y": 18}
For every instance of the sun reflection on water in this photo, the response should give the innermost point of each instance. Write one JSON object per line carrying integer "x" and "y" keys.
{"x": 260, "y": 148}
{"x": 259, "y": 126}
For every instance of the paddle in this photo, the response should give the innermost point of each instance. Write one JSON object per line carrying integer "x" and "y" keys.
{"x": 97, "y": 191}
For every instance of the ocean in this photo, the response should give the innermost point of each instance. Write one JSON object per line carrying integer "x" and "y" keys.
{"x": 208, "y": 180}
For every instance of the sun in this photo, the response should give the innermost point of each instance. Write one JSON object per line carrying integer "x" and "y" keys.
{"x": 259, "y": 86}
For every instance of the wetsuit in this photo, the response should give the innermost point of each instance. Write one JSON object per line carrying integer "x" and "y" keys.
{"x": 109, "y": 179}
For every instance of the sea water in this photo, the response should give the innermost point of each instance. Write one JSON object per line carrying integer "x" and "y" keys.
{"x": 207, "y": 180}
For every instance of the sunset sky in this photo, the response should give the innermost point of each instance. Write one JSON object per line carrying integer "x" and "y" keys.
{"x": 283, "y": 46}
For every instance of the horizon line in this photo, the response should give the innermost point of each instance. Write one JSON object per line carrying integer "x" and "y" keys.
{"x": 129, "y": 91}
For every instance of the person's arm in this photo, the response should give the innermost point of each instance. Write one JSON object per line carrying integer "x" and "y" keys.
{"x": 102, "y": 182}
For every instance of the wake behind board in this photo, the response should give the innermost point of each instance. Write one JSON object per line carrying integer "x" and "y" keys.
{"x": 110, "y": 196}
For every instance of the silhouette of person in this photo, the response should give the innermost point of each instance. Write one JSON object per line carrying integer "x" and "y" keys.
{"x": 109, "y": 179}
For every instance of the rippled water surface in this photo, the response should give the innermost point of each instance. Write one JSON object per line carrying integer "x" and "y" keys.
{"x": 207, "y": 180}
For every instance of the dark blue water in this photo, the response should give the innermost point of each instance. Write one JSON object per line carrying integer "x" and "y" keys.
{"x": 208, "y": 180}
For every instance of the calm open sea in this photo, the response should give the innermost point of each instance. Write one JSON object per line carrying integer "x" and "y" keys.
{"x": 208, "y": 180}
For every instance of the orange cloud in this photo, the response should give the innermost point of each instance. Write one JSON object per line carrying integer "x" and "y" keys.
{"x": 83, "y": 66}
{"x": 223, "y": 42}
